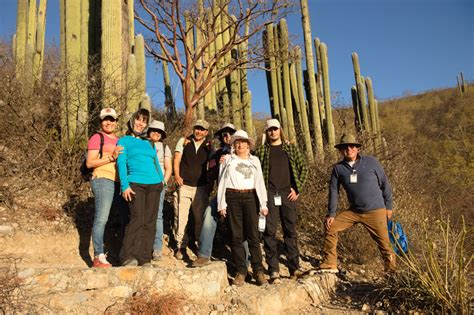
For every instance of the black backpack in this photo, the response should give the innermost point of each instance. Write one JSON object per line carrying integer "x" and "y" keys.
{"x": 86, "y": 173}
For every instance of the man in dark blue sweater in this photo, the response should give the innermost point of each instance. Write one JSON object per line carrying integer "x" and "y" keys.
{"x": 370, "y": 199}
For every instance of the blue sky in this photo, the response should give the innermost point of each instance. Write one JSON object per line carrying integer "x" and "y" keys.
{"x": 405, "y": 46}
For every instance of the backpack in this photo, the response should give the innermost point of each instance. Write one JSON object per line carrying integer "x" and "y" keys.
{"x": 397, "y": 237}
{"x": 86, "y": 173}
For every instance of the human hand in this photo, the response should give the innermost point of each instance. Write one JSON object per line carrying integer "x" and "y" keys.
{"x": 264, "y": 212}
{"x": 223, "y": 212}
{"x": 292, "y": 196}
{"x": 222, "y": 159}
{"x": 328, "y": 222}
{"x": 389, "y": 214}
{"x": 178, "y": 180}
{"x": 127, "y": 194}
{"x": 117, "y": 151}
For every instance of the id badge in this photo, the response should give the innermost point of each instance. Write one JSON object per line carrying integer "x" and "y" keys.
{"x": 353, "y": 178}
{"x": 277, "y": 200}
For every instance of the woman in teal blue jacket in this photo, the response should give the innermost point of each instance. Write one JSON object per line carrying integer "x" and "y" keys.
{"x": 141, "y": 181}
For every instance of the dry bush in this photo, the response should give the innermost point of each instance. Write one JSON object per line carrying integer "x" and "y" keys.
{"x": 13, "y": 298}
{"x": 154, "y": 303}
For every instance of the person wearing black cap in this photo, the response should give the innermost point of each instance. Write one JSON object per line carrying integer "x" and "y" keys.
{"x": 190, "y": 166}
{"x": 209, "y": 225}
{"x": 370, "y": 199}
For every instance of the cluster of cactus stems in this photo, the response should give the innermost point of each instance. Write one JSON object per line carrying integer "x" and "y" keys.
{"x": 462, "y": 85}
{"x": 287, "y": 92}
{"x": 28, "y": 42}
{"x": 98, "y": 46}
{"x": 366, "y": 113}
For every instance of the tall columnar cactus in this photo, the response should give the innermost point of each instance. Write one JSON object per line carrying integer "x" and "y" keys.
{"x": 319, "y": 81}
{"x": 327, "y": 96}
{"x": 278, "y": 68}
{"x": 304, "y": 105}
{"x": 235, "y": 95}
{"x": 111, "y": 58}
{"x": 286, "y": 80}
{"x": 145, "y": 102}
{"x": 313, "y": 99}
{"x": 372, "y": 111}
{"x": 463, "y": 83}
{"x": 199, "y": 41}
{"x": 139, "y": 52}
{"x": 248, "y": 114}
{"x": 360, "y": 92}
{"x": 39, "y": 47}
{"x": 222, "y": 92}
{"x": 133, "y": 97}
{"x": 356, "y": 108}
{"x": 169, "y": 100}
{"x": 131, "y": 23}
{"x": 274, "y": 102}
{"x": 294, "y": 92}
{"x": 20, "y": 42}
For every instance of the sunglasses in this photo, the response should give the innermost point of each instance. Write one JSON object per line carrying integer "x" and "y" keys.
{"x": 346, "y": 146}
{"x": 226, "y": 134}
{"x": 272, "y": 129}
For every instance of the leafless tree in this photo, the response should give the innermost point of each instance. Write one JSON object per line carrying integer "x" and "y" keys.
{"x": 196, "y": 38}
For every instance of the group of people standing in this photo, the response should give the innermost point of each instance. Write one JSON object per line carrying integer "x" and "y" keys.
{"x": 258, "y": 188}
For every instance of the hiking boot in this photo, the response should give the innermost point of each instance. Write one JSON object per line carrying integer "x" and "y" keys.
{"x": 157, "y": 255}
{"x": 260, "y": 278}
{"x": 101, "y": 261}
{"x": 130, "y": 263}
{"x": 239, "y": 280}
{"x": 295, "y": 274}
{"x": 201, "y": 262}
{"x": 275, "y": 278}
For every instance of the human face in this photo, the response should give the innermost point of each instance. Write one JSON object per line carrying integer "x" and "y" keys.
{"x": 226, "y": 135}
{"x": 349, "y": 151}
{"x": 274, "y": 134}
{"x": 108, "y": 124}
{"x": 139, "y": 124}
{"x": 199, "y": 133}
{"x": 241, "y": 147}
{"x": 155, "y": 135}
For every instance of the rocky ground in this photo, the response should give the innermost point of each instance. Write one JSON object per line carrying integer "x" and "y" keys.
{"x": 42, "y": 233}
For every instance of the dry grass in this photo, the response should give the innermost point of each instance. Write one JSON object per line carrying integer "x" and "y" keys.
{"x": 154, "y": 303}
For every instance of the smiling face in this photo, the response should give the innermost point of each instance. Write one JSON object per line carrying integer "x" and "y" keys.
{"x": 108, "y": 124}
{"x": 226, "y": 135}
{"x": 199, "y": 133}
{"x": 241, "y": 147}
{"x": 349, "y": 151}
{"x": 139, "y": 124}
{"x": 274, "y": 135}
{"x": 155, "y": 135}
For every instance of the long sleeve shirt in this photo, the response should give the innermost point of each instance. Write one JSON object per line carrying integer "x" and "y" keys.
{"x": 371, "y": 191}
{"x": 138, "y": 162}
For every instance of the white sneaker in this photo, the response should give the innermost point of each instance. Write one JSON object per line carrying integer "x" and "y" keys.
{"x": 101, "y": 261}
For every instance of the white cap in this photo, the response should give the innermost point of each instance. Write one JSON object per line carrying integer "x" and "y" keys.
{"x": 108, "y": 112}
{"x": 158, "y": 125}
{"x": 242, "y": 135}
{"x": 272, "y": 123}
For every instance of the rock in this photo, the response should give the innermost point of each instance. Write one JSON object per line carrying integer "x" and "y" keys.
{"x": 5, "y": 230}
{"x": 380, "y": 312}
{"x": 365, "y": 308}
{"x": 228, "y": 289}
{"x": 219, "y": 307}
{"x": 378, "y": 304}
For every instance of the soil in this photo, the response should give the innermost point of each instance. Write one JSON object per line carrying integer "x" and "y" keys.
{"x": 47, "y": 234}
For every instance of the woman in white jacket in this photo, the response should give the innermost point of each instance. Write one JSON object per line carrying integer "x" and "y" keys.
{"x": 242, "y": 197}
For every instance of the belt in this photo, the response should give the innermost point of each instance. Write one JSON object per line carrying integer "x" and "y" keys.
{"x": 241, "y": 191}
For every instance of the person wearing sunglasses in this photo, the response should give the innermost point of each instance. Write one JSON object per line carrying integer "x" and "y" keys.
{"x": 209, "y": 225}
{"x": 102, "y": 152}
{"x": 370, "y": 198}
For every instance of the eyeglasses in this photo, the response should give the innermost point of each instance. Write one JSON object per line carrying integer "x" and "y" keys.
{"x": 272, "y": 129}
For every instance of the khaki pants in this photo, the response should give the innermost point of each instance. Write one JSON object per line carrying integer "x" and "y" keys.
{"x": 185, "y": 198}
{"x": 376, "y": 224}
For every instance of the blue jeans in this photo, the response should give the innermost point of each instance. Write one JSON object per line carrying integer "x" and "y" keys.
{"x": 106, "y": 192}
{"x": 209, "y": 226}
{"x": 158, "y": 244}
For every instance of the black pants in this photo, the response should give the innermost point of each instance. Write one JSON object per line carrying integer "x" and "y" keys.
{"x": 140, "y": 231}
{"x": 242, "y": 217}
{"x": 286, "y": 213}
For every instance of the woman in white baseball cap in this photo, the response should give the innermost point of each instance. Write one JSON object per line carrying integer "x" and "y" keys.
{"x": 102, "y": 152}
